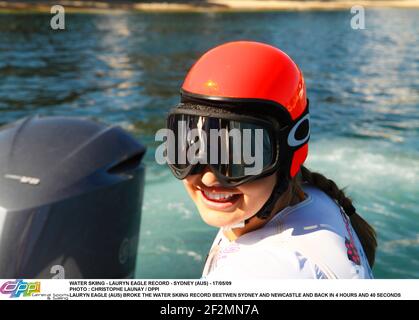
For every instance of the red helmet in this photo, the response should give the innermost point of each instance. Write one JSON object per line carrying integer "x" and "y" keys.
{"x": 255, "y": 75}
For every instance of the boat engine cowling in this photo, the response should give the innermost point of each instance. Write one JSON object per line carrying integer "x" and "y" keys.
{"x": 70, "y": 199}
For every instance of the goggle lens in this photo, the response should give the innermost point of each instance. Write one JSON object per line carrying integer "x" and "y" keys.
{"x": 234, "y": 149}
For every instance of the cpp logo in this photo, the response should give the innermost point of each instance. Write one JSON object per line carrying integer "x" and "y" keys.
{"x": 20, "y": 287}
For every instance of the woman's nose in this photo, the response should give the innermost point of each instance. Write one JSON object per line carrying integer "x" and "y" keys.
{"x": 209, "y": 179}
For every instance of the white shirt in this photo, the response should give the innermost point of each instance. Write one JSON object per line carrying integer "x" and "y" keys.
{"x": 311, "y": 240}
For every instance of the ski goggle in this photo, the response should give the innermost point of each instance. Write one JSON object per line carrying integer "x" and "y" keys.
{"x": 236, "y": 148}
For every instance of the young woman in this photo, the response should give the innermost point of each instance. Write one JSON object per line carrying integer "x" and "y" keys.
{"x": 277, "y": 219}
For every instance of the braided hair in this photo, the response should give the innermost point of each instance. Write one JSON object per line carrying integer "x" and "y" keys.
{"x": 365, "y": 232}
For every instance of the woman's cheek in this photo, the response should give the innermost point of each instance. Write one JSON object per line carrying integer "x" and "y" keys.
{"x": 256, "y": 194}
{"x": 190, "y": 188}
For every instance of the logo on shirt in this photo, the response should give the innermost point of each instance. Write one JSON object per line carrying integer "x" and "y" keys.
{"x": 352, "y": 252}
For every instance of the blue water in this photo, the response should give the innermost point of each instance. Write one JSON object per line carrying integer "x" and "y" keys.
{"x": 126, "y": 69}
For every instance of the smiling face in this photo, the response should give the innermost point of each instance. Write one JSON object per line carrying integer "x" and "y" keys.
{"x": 220, "y": 206}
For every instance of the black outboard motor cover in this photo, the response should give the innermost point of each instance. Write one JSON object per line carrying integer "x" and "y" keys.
{"x": 70, "y": 199}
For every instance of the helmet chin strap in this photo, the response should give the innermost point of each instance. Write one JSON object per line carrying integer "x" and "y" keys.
{"x": 281, "y": 185}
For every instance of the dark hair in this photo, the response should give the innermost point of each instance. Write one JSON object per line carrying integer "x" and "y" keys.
{"x": 365, "y": 232}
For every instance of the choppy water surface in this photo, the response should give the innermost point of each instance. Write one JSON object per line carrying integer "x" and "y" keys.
{"x": 127, "y": 68}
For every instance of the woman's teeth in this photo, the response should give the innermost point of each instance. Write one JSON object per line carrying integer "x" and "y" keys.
{"x": 218, "y": 196}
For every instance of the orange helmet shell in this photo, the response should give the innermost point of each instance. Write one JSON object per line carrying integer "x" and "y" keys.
{"x": 248, "y": 70}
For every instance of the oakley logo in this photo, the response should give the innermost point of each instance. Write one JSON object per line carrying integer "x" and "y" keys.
{"x": 300, "y": 133}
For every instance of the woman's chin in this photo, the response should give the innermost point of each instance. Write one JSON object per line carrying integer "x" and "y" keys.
{"x": 218, "y": 219}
